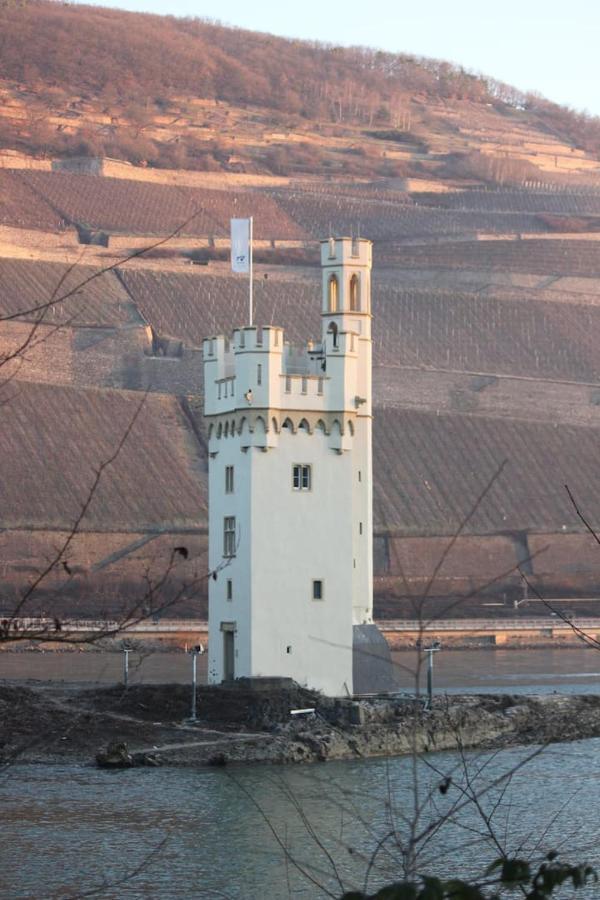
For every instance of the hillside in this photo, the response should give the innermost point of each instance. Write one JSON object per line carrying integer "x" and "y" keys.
{"x": 185, "y": 93}
{"x": 484, "y": 208}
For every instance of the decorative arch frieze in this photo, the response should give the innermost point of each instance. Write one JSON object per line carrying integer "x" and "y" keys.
{"x": 265, "y": 421}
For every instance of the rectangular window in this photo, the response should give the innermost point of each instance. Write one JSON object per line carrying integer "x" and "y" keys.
{"x": 219, "y": 391}
{"x": 320, "y": 387}
{"x": 259, "y": 374}
{"x": 360, "y": 527}
{"x": 301, "y": 477}
{"x": 304, "y": 385}
{"x": 229, "y": 479}
{"x": 229, "y": 536}
{"x": 229, "y": 589}
{"x": 359, "y": 475}
{"x": 288, "y": 384}
{"x": 317, "y": 590}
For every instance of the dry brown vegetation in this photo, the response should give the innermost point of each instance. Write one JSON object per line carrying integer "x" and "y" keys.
{"x": 87, "y": 81}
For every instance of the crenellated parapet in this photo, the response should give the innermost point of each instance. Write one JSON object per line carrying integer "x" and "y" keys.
{"x": 257, "y": 369}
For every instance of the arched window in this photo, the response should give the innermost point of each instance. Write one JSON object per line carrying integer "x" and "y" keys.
{"x": 355, "y": 293}
{"x": 334, "y": 331}
{"x": 333, "y": 293}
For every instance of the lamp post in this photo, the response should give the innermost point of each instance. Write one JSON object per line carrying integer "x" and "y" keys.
{"x": 430, "y": 651}
{"x": 196, "y": 651}
{"x": 126, "y": 652}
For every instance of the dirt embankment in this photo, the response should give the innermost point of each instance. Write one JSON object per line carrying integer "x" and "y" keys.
{"x": 242, "y": 725}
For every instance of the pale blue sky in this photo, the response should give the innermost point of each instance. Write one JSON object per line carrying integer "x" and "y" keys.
{"x": 550, "y": 46}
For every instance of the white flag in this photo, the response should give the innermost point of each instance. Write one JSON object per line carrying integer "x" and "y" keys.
{"x": 240, "y": 245}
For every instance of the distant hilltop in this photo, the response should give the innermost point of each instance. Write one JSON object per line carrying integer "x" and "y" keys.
{"x": 87, "y": 81}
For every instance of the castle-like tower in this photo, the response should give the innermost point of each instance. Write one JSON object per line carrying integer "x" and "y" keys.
{"x": 290, "y": 488}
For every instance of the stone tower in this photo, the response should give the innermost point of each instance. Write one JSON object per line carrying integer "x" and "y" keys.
{"x": 290, "y": 489}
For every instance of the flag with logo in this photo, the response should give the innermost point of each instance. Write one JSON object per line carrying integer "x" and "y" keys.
{"x": 240, "y": 245}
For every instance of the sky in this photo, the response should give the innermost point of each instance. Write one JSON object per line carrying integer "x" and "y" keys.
{"x": 548, "y": 46}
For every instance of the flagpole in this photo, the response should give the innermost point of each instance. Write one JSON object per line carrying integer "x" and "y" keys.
{"x": 251, "y": 266}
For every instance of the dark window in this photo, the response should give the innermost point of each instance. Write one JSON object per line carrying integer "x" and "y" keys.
{"x": 229, "y": 479}
{"x": 229, "y": 542}
{"x": 317, "y": 591}
{"x": 301, "y": 477}
{"x": 229, "y": 589}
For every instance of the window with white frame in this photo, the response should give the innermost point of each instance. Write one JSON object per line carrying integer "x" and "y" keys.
{"x": 229, "y": 479}
{"x": 229, "y": 541}
{"x": 301, "y": 477}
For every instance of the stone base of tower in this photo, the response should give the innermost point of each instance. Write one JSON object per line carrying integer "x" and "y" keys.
{"x": 373, "y": 671}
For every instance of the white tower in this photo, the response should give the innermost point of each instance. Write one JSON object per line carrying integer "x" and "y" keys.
{"x": 290, "y": 493}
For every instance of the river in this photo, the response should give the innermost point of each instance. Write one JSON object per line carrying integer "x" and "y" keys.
{"x": 515, "y": 671}
{"x": 265, "y": 832}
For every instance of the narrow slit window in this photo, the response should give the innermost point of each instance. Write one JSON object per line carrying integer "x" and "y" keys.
{"x": 304, "y": 385}
{"x": 229, "y": 482}
{"x": 317, "y": 589}
{"x": 259, "y": 374}
{"x": 320, "y": 387}
{"x": 229, "y": 589}
{"x": 355, "y": 294}
{"x": 288, "y": 384}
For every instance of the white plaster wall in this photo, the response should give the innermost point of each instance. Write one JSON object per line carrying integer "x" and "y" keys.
{"x": 362, "y": 504}
{"x": 299, "y": 536}
{"x": 238, "y": 568}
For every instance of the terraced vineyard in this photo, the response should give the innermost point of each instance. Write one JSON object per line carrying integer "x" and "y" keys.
{"x": 23, "y": 207}
{"x": 541, "y": 257}
{"x": 565, "y": 203}
{"x": 137, "y": 207}
{"x": 192, "y": 307}
{"x": 54, "y": 438}
{"x": 484, "y": 350}
{"x": 468, "y": 332}
{"x": 99, "y": 299}
{"x": 411, "y": 328}
{"x": 318, "y": 212}
{"x": 436, "y": 466}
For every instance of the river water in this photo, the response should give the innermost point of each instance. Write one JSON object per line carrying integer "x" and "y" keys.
{"x": 514, "y": 671}
{"x": 275, "y": 832}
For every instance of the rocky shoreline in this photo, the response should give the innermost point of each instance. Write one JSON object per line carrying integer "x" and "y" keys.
{"x": 53, "y": 724}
